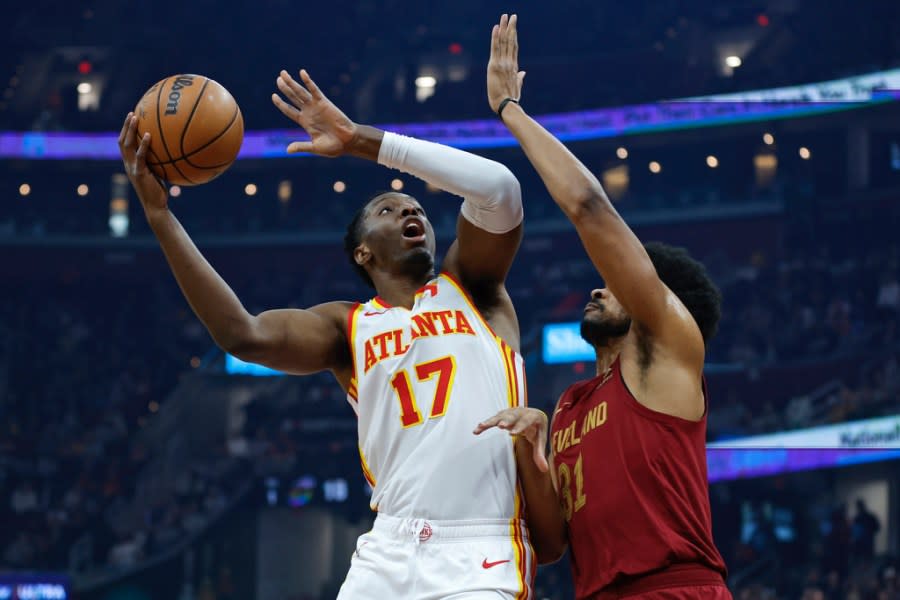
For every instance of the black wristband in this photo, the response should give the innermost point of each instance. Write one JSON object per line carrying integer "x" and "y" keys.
{"x": 503, "y": 105}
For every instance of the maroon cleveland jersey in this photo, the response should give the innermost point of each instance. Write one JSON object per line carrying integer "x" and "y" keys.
{"x": 632, "y": 482}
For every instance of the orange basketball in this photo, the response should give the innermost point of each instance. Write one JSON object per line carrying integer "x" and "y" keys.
{"x": 196, "y": 128}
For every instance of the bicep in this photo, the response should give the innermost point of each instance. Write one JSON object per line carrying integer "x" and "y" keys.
{"x": 300, "y": 342}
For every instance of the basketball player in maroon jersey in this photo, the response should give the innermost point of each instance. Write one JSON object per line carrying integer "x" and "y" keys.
{"x": 628, "y": 446}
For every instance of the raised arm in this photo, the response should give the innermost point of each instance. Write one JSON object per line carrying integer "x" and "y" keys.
{"x": 294, "y": 341}
{"x": 489, "y": 229}
{"x": 611, "y": 245}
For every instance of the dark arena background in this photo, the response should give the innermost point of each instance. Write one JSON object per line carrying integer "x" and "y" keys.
{"x": 137, "y": 461}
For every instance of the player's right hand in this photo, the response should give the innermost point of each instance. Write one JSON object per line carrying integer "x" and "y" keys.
{"x": 504, "y": 79}
{"x": 529, "y": 423}
{"x": 150, "y": 189}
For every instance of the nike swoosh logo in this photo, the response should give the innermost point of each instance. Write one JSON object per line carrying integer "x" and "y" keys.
{"x": 487, "y": 565}
{"x": 372, "y": 314}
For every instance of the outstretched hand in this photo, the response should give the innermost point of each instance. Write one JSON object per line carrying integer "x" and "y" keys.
{"x": 150, "y": 189}
{"x": 529, "y": 423}
{"x": 504, "y": 80}
{"x": 331, "y": 132}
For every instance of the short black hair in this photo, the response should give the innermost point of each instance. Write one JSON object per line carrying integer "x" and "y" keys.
{"x": 354, "y": 235}
{"x": 688, "y": 279}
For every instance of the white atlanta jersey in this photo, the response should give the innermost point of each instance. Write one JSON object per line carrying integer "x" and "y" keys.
{"x": 423, "y": 379}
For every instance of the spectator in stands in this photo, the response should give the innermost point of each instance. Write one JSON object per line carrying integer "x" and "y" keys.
{"x": 865, "y": 526}
{"x": 837, "y": 542}
{"x": 889, "y": 293}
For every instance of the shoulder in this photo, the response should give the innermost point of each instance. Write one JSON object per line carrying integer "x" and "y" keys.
{"x": 338, "y": 311}
{"x": 660, "y": 380}
{"x": 339, "y": 314}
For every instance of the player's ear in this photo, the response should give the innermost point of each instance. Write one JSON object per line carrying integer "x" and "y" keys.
{"x": 362, "y": 254}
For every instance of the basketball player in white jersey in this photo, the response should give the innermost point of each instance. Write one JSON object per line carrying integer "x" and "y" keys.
{"x": 422, "y": 362}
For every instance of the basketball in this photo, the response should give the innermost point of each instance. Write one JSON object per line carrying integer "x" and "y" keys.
{"x": 196, "y": 128}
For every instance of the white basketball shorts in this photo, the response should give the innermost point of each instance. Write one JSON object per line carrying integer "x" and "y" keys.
{"x": 421, "y": 559}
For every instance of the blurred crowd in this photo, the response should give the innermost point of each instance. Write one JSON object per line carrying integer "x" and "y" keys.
{"x": 82, "y": 371}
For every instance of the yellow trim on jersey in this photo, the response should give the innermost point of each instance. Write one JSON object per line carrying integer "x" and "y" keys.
{"x": 515, "y": 531}
{"x": 378, "y": 304}
{"x": 524, "y": 383}
{"x": 511, "y": 357}
{"x": 510, "y": 397}
{"x": 351, "y": 334}
{"x": 370, "y": 479}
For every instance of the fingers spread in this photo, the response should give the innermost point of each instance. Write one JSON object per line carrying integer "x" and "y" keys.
{"x": 292, "y": 90}
{"x": 125, "y": 127}
{"x": 295, "y": 147}
{"x": 130, "y": 133}
{"x": 492, "y": 422}
{"x": 286, "y": 109}
{"x": 313, "y": 88}
{"x": 142, "y": 149}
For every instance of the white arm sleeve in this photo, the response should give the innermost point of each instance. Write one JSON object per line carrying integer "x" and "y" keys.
{"x": 491, "y": 193}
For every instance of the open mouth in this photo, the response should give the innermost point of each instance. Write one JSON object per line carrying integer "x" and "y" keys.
{"x": 414, "y": 231}
{"x": 593, "y": 306}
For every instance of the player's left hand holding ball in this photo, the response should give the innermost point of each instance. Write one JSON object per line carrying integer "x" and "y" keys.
{"x": 150, "y": 189}
{"x": 529, "y": 423}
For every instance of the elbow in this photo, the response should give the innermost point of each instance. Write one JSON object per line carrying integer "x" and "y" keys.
{"x": 549, "y": 552}
{"x": 237, "y": 340}
{"x": 505, "y": 186}
{"x": 584, "y": 203}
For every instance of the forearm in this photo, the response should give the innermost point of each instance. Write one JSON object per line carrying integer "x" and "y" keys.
{"x": 493, "y": 198}
{"x": 569, "y": 182}
{"x": 214, "y": 303}
{"x": 546, "y": 524}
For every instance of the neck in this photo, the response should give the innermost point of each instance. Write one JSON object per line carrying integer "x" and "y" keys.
{"x": 399, "y": 291}
{"x": 606, "y": 355}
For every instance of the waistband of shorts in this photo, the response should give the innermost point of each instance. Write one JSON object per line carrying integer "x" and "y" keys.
{"x": 437, "y": 530}
{"x": 678, "y": 575}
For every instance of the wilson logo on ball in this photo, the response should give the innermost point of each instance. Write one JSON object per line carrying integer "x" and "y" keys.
{"x": 195, "y": 128}
{"x": 175, "y": 95}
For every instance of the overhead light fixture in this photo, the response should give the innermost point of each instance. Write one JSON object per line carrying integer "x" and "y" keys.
{"x": 733, "y": 61}
{"x": 84, "y": 88}
{"x": 426, "y": 81}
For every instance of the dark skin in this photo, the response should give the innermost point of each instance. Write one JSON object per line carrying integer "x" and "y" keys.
{"x": 303, "y": 341}
{"x": 662, "y": 353}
